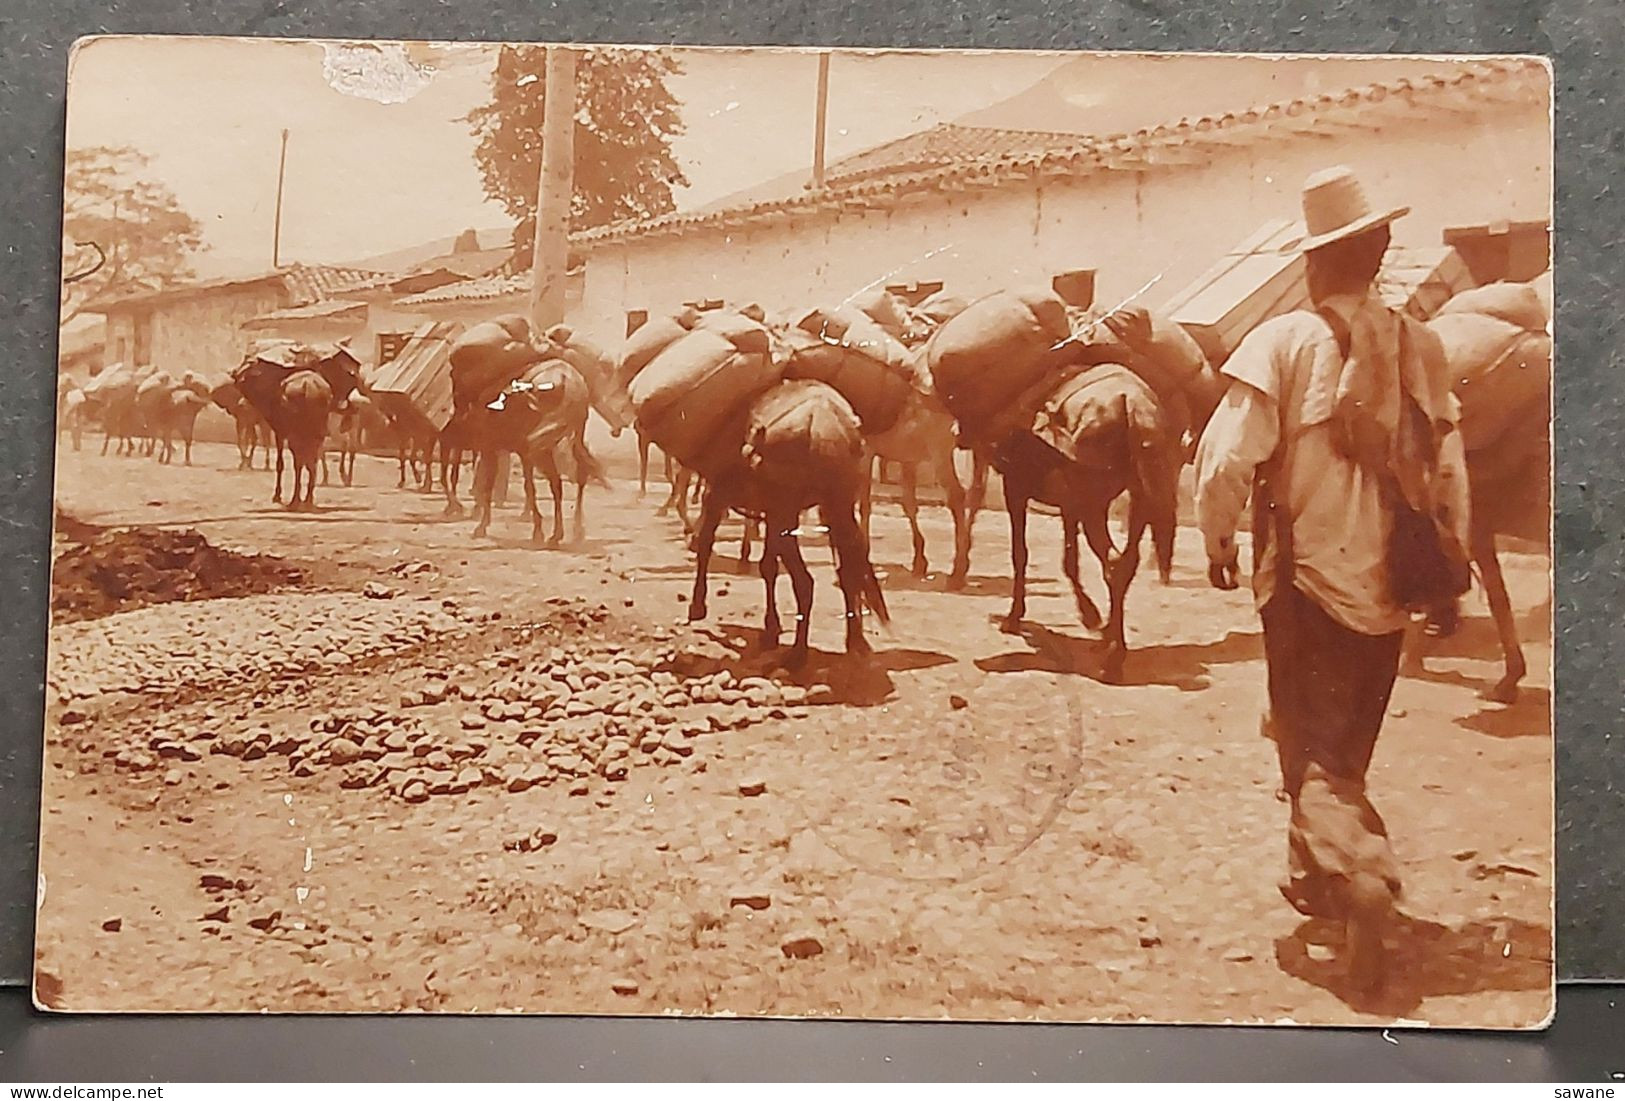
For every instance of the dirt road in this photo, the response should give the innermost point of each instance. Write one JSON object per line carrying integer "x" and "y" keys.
{"x": 269, "y": 801}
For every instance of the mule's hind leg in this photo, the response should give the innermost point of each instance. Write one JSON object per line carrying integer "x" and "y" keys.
{"x": 1093, "y": 518}
{"x": 745, "y": 537}
{"x": 1119, "y": 577}
{"x": 485, "y": 480}
{"x": 555, "y": 483}
{"x": 911, "y": 508}
{"x": 852, "y": 569}
{"x": 1162, "y": 541}
{"x": 710, "y": 516}
{"x": 959, "y": 508}
{"x": 527, "y": 468}
{"x": 1015, "y": 503}
{"x": 276, "y": 497}
{"x": 1495, "y": 593}
{"x": 774, "y": 535}
{"x": 801, "y": 580}
{"x": 1087, "y": 612}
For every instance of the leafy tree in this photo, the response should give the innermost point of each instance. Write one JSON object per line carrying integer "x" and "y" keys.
{"x": 626, "y": 119}
{"x": 122, "y": 231}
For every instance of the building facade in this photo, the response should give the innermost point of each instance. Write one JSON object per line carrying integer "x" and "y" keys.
{"x": 981, "y": 209}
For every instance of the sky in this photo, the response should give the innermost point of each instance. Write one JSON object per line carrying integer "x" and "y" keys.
{"x": 365, "y": 177}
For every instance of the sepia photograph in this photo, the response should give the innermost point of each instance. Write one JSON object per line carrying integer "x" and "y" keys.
{"x": 889, "y": 535}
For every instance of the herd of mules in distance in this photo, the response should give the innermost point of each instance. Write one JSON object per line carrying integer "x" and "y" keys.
{"x": 1110, "y": 411}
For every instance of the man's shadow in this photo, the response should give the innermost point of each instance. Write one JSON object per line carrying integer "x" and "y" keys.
{"x": 1425, "y": 960}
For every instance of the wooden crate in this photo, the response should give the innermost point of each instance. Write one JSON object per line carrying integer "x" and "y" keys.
{"x": 1264, "y": 277}
{"x": 415, "y": 386}
{"x": 1251, "y": 283}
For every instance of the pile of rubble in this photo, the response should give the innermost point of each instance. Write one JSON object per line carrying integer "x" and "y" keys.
{"x": 203, "y": 645}
{"x": 112, "y": 570}
{"x": 562, "y": 717}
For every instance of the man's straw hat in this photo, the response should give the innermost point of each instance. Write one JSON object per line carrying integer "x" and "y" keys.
{"x": 1335, "y": 208}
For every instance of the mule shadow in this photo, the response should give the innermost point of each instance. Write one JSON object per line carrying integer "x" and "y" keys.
{"x": 1530, "y": 716}
{"x": 1426, "y": 960}
{"x": 897, "y": 577}
{"x": 1476, "y": 637}
{"x": 1173, "y": 665}
{"x": 862, "y": 681}
{"x": 588, "y": 546}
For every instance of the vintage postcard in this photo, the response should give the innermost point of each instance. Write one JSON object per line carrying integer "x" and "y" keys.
{"x": 793, "y": 532}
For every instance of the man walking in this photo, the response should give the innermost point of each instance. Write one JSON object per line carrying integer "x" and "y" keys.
{"x": 1338, "y": 422}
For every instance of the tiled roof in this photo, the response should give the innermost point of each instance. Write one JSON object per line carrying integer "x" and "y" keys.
{"x": 949, "y": 144}
{"x": 314, "y": 283}
{"x": 469, "y": 265}
{"x": 964, "y": 157}
{"x": 471, "y": 290}
{"x": 332, "y": 307}
{"x": 303, "y": 284}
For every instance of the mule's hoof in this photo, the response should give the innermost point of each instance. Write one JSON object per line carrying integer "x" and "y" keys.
{"x": 920, "y": 568}
{"x": 1112, "y": 671}
{"x": 858, "y": 648}
{"x": 1165, "y": 577}
{"x": 742, "y": 565}
{"x": 478, "y": 533}
{"x": 955, "y": 583}
{"x": 696, "y": 612}
{"x": 1010, "y": 625}
{"x": 1505, "y": 691}
{"x": 1090, "y": 615}
{"x": 796, "y": 658}
{"x": 768, "y": 642}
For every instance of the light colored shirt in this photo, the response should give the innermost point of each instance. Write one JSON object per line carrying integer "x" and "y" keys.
{"x": 1283, "y": 384}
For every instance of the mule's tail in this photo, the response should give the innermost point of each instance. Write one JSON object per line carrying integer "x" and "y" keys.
{"x": 852, "y": 551}
{"x": 1155, "y": 459}
{"x": 588, "y": 468}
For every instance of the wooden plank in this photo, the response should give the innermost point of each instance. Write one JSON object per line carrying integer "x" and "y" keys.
{"x": 417, "y": 382}
{"x": 1256, "y": 281}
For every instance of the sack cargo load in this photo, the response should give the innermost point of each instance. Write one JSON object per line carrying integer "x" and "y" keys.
{"x": 939, "y": 308}
{"x": 157, "y": 381}
{"x": 870, "y": 368}
{"x": 1170, "y": 353}
{"x": 1543, "y": 291}
{"x": 690, "y": 390}
{"x": 110, "y": 378}
{"x": 789, "y": 429}
{"x": 651, "y": 338}
{"x": 883, "y": 308}
{"x": 985, "y": 357}
{"x": 590, "y": 361}
{"x": 745, "y": 333}
{"x": 1514, "y": 303}
{"x": 597, "y": 369}
{"x": 414, "y": 388}
{"x": 1079, "y": 417}
{"x": 1473, "y": 341}
{"x": 487, "y": 357}
{"x": 1504, "y": 394}
{"x": 1265, "y": 276}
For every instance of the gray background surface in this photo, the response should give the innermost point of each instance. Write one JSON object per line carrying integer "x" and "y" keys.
{"x": 1583, "y": 37}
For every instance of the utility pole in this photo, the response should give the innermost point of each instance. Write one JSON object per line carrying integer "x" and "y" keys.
{"x": 555, "y": 188}
{"x": 281, "y": 179}
{"x": 820, "y": 123}
{"x": 550, "y": 258}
